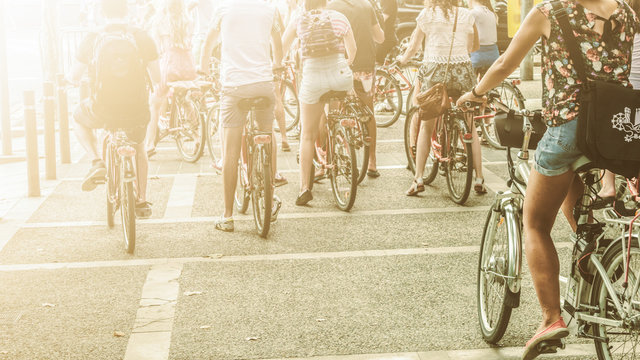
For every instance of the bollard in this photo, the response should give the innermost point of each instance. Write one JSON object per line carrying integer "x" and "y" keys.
{"x": 63, "y": 118}
{"x": 31, "y": 134}
{"x": 49, "y": 130}
{"x": 85, "y": 91}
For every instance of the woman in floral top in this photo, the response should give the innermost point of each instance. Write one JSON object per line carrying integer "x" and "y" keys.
{"x": 604, "y": 30}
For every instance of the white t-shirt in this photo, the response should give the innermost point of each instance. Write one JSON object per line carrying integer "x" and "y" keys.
{"x": 634, "y": 76}
{"x": 486, "y": 23}
{"x": 245, "y": 34}
{"x": 438, "y": 30}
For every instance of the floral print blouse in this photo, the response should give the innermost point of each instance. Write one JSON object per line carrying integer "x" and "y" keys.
{"x": 606, "y": 57}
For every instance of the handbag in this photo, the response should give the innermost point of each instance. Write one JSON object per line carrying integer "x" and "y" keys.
{"x": 509, "y": 129}
{"x": 608, "y": 131}
{"x": 434, "y": 101}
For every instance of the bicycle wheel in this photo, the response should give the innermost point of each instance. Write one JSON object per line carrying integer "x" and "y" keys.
{"x": 623, "y": 342}
{"x": 262, "y": 191}
{"x": 108, "y": 154}
{"x": 344, "y": 174}
{"x": 387, "y": 103}
{"x": 191, "y": 136}
{"x": 361, "y": 144}
{"x": 493, "y": 292}
{"x": 214, "y": 137}
{"x": 128, "y": 208}
{"x": 460, "y": 165}
{"x": 510, "y": 96}
{"x": 242, "y": 196}
{"x": 291, "y": 105}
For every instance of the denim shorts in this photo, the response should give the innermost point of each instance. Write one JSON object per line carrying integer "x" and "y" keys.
{"x": 558, "y": 149}
{"x": 323, "y": 74}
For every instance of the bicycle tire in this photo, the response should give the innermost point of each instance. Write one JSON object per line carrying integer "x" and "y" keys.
{"x": 214, "y": 142}
{"x": 241, "y": 197}
{"x": 613, "y": 262}
{"x": 111, "y": 188}
{"x": 291, "y": 105}
{"x": 387, "y": 93}
{"x": 343, "y": 158}
{"x": 262, "y": 191}
{"x": 193, "y": 127}
{"x": 460, "y": 162}
{"x": 493, "y": 330}
{"x": 128, "y": 212}
{"x": 511, "y": 96}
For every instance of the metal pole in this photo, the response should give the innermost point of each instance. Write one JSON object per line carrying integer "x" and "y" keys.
{"x": 526, "y": 67}
{"x": 31, "y": 137}
{"x": 49, "y": 130}
{"x": 63, "y": 118}
{"x": 4, "y": 87}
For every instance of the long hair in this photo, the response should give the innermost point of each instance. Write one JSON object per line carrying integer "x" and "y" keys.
{"x": 635, "y": 5}
{"x": 446, "y": 6}
{"x": 175, "y": 13}
{"x": 314, "y": 4}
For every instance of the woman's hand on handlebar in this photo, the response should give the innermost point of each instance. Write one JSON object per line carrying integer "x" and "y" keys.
{"x": 470, "y": 98}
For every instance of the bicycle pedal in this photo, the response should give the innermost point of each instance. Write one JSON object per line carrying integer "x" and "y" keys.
{"x": 550, "y": 346}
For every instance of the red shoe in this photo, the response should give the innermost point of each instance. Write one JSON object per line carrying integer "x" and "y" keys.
{"x": 551, "y": 336}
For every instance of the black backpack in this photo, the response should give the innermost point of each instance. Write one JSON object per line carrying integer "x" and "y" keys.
{"x": 120, "y": 93}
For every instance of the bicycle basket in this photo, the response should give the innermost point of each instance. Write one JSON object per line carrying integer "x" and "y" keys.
{"x": 509, "y": 129}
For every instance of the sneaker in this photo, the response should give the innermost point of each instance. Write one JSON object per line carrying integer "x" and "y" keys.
{"x": 279, "y": 180}
{"x": 95, "y": 176}
{"x": 552, "y": 336}
{"x": 275, "y": 209}
{"x": 143, "y": 210}
{"x": 224, "y": 224}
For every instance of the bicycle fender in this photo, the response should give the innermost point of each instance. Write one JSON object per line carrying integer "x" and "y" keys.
{"x": 514, "y": 231}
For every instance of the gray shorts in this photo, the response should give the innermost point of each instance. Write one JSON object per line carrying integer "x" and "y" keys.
{"x": 232, "y": 116}
{"x": 84, "y": 116}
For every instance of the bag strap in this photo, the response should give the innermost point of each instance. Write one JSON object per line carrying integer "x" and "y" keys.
{"x": 575, "y": 54}
{"x": 453, "y": 37}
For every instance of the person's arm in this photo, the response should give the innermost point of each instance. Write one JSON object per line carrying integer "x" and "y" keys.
{"x": 414, "y": 45}
{"x": 77, "y": 71}
{"x": 153, "y": 67}
{"x": 533, "y": 27}
{"x": 350, "y": 46}
{"x": 474, "y": 40}
{"x": 289, "y": 35}
{"x": 378, "y": 34}
{"x": 207, "y": 49}
{"x": 276, "y": 41}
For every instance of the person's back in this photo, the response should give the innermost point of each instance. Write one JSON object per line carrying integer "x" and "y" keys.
{"x": 362, "y": 18}
{"x": 437, "y": 25}
{"x": 245, "y": 29}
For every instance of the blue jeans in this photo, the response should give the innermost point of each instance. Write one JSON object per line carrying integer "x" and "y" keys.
{"x": 558, "y": 149}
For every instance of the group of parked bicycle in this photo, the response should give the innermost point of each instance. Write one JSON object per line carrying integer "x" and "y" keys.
{"x": 331, "y": 73}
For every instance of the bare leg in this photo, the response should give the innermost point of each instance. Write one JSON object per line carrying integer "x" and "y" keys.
{"x": 142, "y": 171}
{"x": 544, "y": 197}
{"x": 423, "y": 146}
{"x": 158, "y": 107}
{"x": 310, "y": 118}
{"x": 373, "y": 131}
{"x": 87, "y": 138}
{"x": 476, "y": 149}
{"x": 279, "y": 113}
{"x": 608, "y": 184}
{"x": 575, "y": 192}
{"x": 232, "y": 146}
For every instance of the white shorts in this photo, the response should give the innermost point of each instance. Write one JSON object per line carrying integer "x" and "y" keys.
{"x": 323, "y": 74}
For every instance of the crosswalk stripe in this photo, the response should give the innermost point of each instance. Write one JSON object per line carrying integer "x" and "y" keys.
{"x": 181, "y": 197}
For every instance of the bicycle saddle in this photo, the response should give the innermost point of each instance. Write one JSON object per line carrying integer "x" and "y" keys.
{"x": 256, "y": 103}
{"x": 582, "y": 164}
{"x": 330, "y": 95}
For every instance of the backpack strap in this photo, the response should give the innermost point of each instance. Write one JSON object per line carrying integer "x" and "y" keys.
{"x": 575, "y": 54}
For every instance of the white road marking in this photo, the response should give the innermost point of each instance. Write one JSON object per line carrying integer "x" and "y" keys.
{"x": 151, "y": 335}
{"x": 493, "y": 181}
{"x": 576, "y": 350}
{"x": 181, "y": 197}
{"x": 249, "y": 258}
{"x": 305, "y": 215}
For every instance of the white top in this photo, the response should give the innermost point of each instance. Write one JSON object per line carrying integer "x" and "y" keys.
{"x": 634, "y": 77}
{"x": 487, "y": 25}
{"x": 245, "y": 34}
{"x": 438, "y": 31}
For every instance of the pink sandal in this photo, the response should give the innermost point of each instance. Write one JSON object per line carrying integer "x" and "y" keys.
{"x": 546, "y": 341}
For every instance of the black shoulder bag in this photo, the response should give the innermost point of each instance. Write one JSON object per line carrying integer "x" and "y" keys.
{"x": 609, "y": 116}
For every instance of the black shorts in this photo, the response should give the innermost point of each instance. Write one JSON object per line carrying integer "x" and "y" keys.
{"x": 84, "y": 116}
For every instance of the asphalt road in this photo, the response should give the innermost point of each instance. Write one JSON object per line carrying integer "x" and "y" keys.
{"x": 395, "y": 277}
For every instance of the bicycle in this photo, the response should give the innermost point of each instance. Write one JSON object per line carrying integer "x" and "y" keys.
{"x": 597, "y": 293}
{"x": 392, "y": 81}
{"x": 287, "y": 84}
{"x": 335, "y": 152}
{"x": 450, "y": 154}
{"x": 509, "y": 95}
{"x": 119, "y": 157}
{"x": 185, "y": 122}
{"x": 353, "y": 107}
{"x": 255, "y": 178}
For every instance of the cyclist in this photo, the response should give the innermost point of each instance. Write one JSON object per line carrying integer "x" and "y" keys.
{"x": 552, "y": 185}
{"x": 92, "y": 55}
{"x": 486, "y": 23}
{"x": 324, "y": 68}
{"x": 435, "y": 25}
{"x": 367, "y": 32}
{"x": 247, "y": 72}
{"x": 389, "y": 10}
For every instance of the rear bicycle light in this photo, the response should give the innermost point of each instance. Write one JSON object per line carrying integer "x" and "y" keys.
{"x": 350, "y": 123}
{"x": 516, "y": 82}
{"x": 262, "y": 139}
{"x": 126, "y": 151}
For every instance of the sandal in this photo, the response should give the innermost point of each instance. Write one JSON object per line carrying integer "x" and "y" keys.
{"x": 416, "y": 188}
{"x": 285, "y": 147}
{"x": 479, "y": 187}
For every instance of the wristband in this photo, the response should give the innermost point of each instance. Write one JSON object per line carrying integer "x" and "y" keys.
{"x": 473, "y": 91}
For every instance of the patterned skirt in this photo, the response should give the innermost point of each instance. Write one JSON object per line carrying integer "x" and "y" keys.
{"x": 460, "y": 80}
